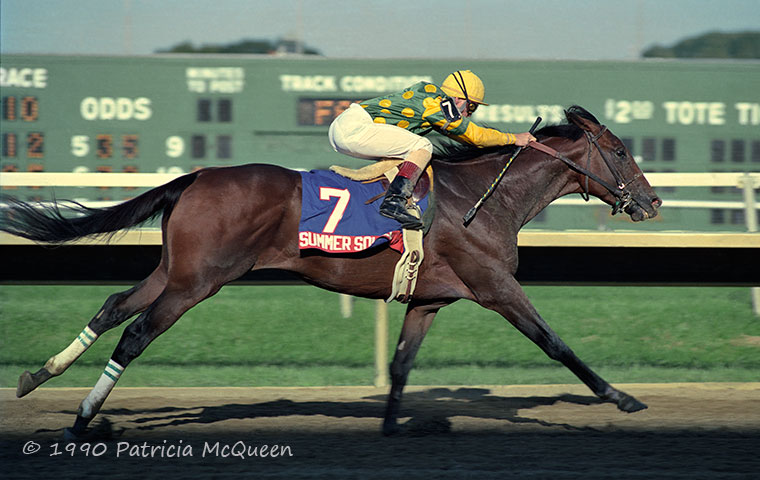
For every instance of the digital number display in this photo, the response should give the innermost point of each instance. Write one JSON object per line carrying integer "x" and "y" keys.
{"x": 320, "y": 112}
{"x": 19, "y": 110}
{"x": 105, "y": 144}
{"x": 22, "y": 109}
{"x": 26, "y": 108}
{"x": 35, "y": 145}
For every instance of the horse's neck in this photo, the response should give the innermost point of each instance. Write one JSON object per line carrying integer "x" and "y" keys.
{"x": 530, "y": 184}
{"x": 537, "y": 181}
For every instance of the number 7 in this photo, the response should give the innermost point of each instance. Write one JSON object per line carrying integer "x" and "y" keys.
{"x": 326, "y": 193}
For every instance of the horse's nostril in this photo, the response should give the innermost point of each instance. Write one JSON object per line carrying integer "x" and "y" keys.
{"x": 656, "y": 202}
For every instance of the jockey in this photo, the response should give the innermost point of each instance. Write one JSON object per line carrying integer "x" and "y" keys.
{"x": 394, "y": 126}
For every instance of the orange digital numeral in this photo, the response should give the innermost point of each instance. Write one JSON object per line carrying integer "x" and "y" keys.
{"x": 130, "y": 146}
{"x": 30, "y": 109}
{"x": 35, "y": 145}
{"x": 9, "y": 145}
{"x": 104, "y": 148}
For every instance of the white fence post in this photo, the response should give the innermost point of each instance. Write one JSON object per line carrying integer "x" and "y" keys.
{"x": 346, "y": 305}
{"x": 750, "y": 217}
{"x": 381, "y": 343}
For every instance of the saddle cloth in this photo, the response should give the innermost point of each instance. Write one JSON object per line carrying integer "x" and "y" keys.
{"x": 339, "y": 215}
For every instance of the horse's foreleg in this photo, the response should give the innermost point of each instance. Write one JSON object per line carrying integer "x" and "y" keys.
{"x": 416, "y": 324}
{"x": 117, "y": 308}
{"x": 518, "y": 310}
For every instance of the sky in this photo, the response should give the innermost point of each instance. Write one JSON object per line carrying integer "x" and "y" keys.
{"x": 436, "y": 29}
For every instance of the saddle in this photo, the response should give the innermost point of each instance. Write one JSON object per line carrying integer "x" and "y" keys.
{"x": 385, "y": 171}
{"x": 407, "y": 268}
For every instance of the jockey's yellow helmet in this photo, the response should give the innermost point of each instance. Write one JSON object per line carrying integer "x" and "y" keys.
{"x": 465, "y": 84}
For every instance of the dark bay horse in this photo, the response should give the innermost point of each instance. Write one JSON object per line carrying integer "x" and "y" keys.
{"x": 219, "y": 223}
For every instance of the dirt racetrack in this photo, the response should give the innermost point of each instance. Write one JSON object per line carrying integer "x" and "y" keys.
{"x": 553, "y": 431}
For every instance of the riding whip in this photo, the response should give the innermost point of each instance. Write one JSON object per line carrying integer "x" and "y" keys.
{"x": 471, "y": 214}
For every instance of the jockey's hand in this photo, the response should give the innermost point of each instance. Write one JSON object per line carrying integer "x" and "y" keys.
{"x": 522, "y": 139}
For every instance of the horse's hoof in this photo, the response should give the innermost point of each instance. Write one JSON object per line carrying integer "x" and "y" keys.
{"x": 71, "y": 436}
{"x": 390, "y": 429}
{"x": 26, "y": 383}
{"x": 102, "y": 431}
{"x": 629, "y": 404}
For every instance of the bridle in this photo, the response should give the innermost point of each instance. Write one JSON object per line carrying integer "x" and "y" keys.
{"x": 620, "y": 191}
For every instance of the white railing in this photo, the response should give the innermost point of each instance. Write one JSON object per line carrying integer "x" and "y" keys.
{"x": 748, "y": 182}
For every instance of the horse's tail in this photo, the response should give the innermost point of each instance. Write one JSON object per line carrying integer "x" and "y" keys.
{"x": 53, "y": 224}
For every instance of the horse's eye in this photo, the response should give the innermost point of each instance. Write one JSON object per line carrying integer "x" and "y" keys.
{"x": 620, "y": 152}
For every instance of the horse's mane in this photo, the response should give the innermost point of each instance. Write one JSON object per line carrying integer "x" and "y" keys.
{"x": 454, "y": 152}
{"x": 567, "y": 130}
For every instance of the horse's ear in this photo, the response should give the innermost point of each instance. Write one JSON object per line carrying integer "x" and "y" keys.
{"x": 583, "y": 123}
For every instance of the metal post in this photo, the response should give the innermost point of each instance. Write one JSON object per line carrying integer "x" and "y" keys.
{"x": 381, "y": 344}
{"x": 750, "y": 217}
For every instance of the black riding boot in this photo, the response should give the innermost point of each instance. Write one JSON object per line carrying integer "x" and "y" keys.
{"x": 394, "y": 203}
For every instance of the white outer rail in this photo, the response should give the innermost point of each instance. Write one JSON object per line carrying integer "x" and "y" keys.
{"x": 68, "y": 179}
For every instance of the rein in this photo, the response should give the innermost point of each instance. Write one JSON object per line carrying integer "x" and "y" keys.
{"x": 620, "y": 191}
{"x": 474, "y": 210}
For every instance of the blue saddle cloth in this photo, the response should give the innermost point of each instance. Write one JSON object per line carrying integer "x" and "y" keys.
{"x": 336, "y": 218}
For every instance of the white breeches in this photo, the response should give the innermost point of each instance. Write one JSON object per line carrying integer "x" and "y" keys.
{"x": 354, "y": 133}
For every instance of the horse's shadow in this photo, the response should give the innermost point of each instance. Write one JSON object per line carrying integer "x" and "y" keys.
{"x": 429, "y": 410}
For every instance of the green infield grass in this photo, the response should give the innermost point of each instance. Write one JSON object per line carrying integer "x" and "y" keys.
{"x": 295, "y": 335}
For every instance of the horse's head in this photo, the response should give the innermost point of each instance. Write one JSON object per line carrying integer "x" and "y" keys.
{"x": 619, "y": 180}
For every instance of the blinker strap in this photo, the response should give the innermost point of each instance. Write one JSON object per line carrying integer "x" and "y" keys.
{"x": 613, "y": 169}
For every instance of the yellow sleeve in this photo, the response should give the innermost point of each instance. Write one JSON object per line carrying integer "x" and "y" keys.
{"x": 484, "y": 137}
{"x": 464, "y": 130}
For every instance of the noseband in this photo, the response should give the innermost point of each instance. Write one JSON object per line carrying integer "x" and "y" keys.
{"x": 620, "y": 190}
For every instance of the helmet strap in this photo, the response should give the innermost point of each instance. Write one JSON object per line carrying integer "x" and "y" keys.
{"x": 460, "y": 82}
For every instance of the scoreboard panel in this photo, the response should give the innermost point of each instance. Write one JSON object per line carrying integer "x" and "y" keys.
{"x": 177, "y": 113}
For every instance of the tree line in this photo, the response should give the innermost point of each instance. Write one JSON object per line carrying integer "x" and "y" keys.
{"x": 739, "y": 45}
{"x": 255, "y": 46}
{"x": 710, "y": 45}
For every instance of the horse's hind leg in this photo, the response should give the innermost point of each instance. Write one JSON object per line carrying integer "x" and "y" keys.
{"x": 190, "y": 280}
{"x": 174, "y": 301}
{"x": 518, "y": 310}
{"x": 117, "y": 308}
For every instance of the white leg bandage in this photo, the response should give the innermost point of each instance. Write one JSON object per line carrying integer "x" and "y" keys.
{"x": 97, "y": 396}
{"x": 58, "y": 363}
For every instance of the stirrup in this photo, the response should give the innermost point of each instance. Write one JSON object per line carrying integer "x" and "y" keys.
{"x": 394, "y": 207}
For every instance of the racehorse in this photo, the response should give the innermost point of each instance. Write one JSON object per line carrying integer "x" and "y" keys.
{"x": 219, "y": 223}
